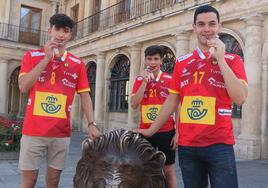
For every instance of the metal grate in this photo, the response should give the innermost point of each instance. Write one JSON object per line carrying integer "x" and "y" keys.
{"x": 121, "y": 12}
{"x": 169, "y": 60}
{"x": 18, "y": 34}
{"x": 91, "y": 75}
{"x": 119, "y": 85}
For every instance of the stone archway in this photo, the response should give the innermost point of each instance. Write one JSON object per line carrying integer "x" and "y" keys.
{"x": 169, "y": 60}
{"x": 17, "y": 101}
{"x": 119, "y": 81}
{"x": 91, "y": 75}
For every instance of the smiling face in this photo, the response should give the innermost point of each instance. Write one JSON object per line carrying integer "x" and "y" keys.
{"x": 154, "y": 61}
{"x": 206, "y": 27}
{"x": 60, "y": 35}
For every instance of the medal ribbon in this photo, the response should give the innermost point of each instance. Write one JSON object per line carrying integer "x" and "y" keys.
{"x": 57, "y": 53}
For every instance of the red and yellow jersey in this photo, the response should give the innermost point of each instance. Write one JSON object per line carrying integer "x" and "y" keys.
{"x": 206, "y": 107}
{"x": 154, "y": 96}
{"x": 51, "y": 96}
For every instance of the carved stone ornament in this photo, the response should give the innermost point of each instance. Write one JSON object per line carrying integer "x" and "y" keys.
{"x": 120, "y": 159}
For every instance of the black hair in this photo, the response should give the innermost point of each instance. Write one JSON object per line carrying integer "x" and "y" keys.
{"x": 61, "y": 21}
{"x": 154, "y": 50}
{"x": 206, "y": 9}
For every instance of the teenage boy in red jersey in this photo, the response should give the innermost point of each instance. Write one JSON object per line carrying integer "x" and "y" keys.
{"x": 205, "y": 82}
{"x": 52, "y": 76}
{"x": 150, "y": 91}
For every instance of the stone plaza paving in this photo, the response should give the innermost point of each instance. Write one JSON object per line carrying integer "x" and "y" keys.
{"x": 251, "y": 174}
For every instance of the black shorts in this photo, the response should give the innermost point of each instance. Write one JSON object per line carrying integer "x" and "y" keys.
{"x": 161, "y": 141}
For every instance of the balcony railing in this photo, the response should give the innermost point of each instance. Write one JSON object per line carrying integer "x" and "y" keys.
{"x": 23, "y": 35}
{"x": 127, "y": 10}
{"x": 123, "y": 11}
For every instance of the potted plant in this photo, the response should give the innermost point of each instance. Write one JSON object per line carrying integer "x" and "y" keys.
{"x": 10, "y": 135}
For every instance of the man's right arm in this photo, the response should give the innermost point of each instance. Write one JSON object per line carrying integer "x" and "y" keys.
{"x": 137, "y": 97}
{"x": 170, "y": 106}
{"x": 27, "y": 80}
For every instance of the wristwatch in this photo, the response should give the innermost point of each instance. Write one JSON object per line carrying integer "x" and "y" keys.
{"x": 92, "y": 124}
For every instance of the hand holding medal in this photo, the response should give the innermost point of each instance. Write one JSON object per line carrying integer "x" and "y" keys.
{"x": 149, "y": 70}
{"x": 49, "y": 50}
{"x": 150, "y": 75}
{"x": 56, "y": 54}
{"x": 212, "y": 53}
{"x": 217, "y": 49}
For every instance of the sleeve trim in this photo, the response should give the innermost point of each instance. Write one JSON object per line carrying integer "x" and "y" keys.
{"x": 244, "y": 82}
{"x": 83, "y": 90}
{"x": 21, "y": 74}
{"x": 173, "y": 91}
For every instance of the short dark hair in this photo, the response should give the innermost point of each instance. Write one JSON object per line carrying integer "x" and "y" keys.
{"x": 206, "y": 9}
{"x": 61, "y": 21}
{"x": 154, "y": 50}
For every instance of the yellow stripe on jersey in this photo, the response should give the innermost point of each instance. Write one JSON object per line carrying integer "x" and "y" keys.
{"x": 173, "y": 91}
{"x": 21, "y": 74}
{"x": 83, "y": 90}
{"x": 244, "y": 82}
{"x": 50, "y": 104}
{"x": 198, "y": 110}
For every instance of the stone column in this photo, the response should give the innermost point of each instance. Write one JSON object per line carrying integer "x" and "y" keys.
{"x": 81, "y": 10}
{"x": 63, "y": 6}
{"x": 54, "y": 4}
{"x": 4, "y": 85}
{"x": 182, "y": 43}
{"x": 264, "y": 116}
{"x": 99, "y": 91}
{"x": 104, "y": 17}
{"x": 249, "y": 143}
{"x": 7, "y": 12}
{"x": 76, "y": 122}
{"x": 135, "y": 63}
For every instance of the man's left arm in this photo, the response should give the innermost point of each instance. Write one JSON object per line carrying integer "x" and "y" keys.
{"x": 236, "y": 88}
{"x": 88, "y": 110}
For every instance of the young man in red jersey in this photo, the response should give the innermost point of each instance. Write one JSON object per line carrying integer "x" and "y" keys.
{"x": 205, "y": 82}
{"x": 52, "y": 76}
{"x": 150, "y": 91}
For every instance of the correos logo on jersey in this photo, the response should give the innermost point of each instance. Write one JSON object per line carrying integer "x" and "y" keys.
{"x": 149, "y": 113}
{"x": 50, "y": 104}
{"x": 198, "y": 110}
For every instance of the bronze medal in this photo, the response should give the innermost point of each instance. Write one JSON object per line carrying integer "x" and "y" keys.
{"x": 214, "y": 61}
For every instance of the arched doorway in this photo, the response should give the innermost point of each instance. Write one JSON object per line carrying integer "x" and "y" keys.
{"x": 17, "y": 101}
{"x": 169, "y": 60}
{"x": 91, "y": 75}
{"x": 233, "y": 46}
{"x": 119, "y": 82}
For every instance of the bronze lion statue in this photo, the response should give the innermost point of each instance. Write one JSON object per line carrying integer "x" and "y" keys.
{"x": 120, "y": 159}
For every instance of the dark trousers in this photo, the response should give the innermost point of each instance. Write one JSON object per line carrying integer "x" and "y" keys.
{"x": 216, "y": 162}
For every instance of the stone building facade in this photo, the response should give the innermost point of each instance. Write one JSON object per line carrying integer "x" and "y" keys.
{"x": 111, "y": 36}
